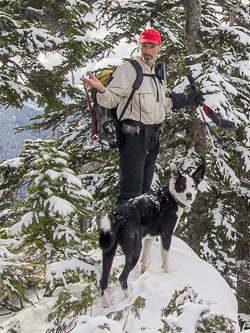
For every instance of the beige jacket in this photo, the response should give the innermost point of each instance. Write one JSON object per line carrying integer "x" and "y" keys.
{"x": 144, "y": 106}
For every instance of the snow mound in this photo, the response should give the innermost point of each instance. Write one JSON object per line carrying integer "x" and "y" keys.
{"x": 155, "y": 286}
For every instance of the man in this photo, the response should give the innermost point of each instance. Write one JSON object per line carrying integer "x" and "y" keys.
{"x": 142, "y": 120}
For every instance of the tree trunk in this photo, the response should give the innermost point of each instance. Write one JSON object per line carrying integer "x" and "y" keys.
{"x": 193, "y": 22}
{"x": 83, "y": 223}
{"x": 195, "y": 132}
{"x": 196, "y": 137}
{"x": 243, "y": 239}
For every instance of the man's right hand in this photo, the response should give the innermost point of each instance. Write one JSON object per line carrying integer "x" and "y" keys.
{"x": 93, "y": 82}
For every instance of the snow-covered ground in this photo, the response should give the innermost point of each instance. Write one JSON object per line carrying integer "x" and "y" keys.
{"x": 155, "y": 286}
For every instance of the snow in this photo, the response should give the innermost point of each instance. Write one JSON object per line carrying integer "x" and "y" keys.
{"x": 26, "y": 220}
{"x": 12, "y": 163}
{"x": 191, "y": 313}
{"x": 71, "y": 179}
{"x": 155, "y": 286}
{"x": 60, "y": 205}
{"x": 52, "y": 174}
{"x": 57, "y": 269}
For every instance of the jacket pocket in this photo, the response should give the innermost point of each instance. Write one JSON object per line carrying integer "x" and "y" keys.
{"x": 144, "y": 101}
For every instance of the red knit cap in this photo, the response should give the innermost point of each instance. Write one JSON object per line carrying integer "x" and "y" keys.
{"x": 150, "y": 36}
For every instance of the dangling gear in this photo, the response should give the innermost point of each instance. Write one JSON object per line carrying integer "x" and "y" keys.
{"x": 225, "y": 124}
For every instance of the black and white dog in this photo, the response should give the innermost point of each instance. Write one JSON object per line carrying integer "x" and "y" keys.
{"x": 149, "y": 215}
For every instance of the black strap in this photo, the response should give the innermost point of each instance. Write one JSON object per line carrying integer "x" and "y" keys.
{"x": 153, "y": 77}
{"x": 139, "y": 73}
{"x": 127, "y": 103}
{"x": 136, "y": 85}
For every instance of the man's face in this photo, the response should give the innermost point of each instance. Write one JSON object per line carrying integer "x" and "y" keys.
{"x": 149, "y": 52}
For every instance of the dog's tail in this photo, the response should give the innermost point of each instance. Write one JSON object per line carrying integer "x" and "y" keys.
{"x": 108, "y": 234}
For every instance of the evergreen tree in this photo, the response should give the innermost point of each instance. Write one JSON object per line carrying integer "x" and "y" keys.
{"x": 31, "y": 30}
{"x": 47, "y": 234}
{"x": 211, "y": 41}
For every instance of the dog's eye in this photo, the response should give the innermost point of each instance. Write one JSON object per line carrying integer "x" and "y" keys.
{"x": 193, "y": 185}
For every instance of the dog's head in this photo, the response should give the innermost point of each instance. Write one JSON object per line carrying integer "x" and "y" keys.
{"x": 184, "y": 188}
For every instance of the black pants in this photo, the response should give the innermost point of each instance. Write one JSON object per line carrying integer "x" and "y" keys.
{"x": 137, "y": 162}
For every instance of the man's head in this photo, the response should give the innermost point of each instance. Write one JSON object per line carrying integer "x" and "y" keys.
{"x": 150, "y": 45}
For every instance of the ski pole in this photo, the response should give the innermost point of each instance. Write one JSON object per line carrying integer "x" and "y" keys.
{"x": 94, "y": 130}
{"x": 88, "y": 100}
{"x": 193, "y": 87}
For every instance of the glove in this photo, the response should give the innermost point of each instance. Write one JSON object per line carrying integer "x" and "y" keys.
{"x": 225, "y": 124}
{"x": 195, "y": 98}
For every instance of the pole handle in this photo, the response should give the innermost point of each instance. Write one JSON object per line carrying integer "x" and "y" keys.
{"x": 88, "y": 99}
{"x": 191, "y": 81}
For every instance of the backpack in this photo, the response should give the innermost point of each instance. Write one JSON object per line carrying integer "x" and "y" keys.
{"x": 105, "y": 124}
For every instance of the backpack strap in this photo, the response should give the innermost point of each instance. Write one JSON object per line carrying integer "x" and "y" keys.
{"x": 136, "y": 85}
{"x": 153, "y": 77}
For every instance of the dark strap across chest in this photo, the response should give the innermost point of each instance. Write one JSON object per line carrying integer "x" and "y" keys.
{"x": 137, "y": 83}
{"x": 153, "y": 76}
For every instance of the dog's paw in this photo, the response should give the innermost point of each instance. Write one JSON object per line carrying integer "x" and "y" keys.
{"x": 127, "y": 293}
{"x": 106, "y": 305}
{"x": 168, "y": 270}
{"x": 105, "y": 300}
{"x": 143, "y": 269}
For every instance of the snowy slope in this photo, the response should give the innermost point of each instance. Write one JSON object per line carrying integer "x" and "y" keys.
{"x": 155, "y": 286}
{"x": 11, "y": 142}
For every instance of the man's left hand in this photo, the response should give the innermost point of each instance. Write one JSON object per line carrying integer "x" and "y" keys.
{"x": 195, "y": 98}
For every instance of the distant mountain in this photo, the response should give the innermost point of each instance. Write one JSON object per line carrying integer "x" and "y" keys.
{"x": 10, "y": 142}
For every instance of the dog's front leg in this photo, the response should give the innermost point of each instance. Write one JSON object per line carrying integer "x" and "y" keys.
{"x": 165, "y": 245}
{"x": 147, "y": 243}
{"x": 165, "y": 260}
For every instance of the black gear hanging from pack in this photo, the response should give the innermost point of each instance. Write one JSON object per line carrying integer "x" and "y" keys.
{"x": 225, "y": 124}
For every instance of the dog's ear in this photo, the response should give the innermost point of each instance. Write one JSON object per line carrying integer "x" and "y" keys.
{"x": 174, "y": 172}
{"x": 199, "y": 173}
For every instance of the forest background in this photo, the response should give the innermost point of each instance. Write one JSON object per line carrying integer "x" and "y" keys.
{"x": 211, "y": 40}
